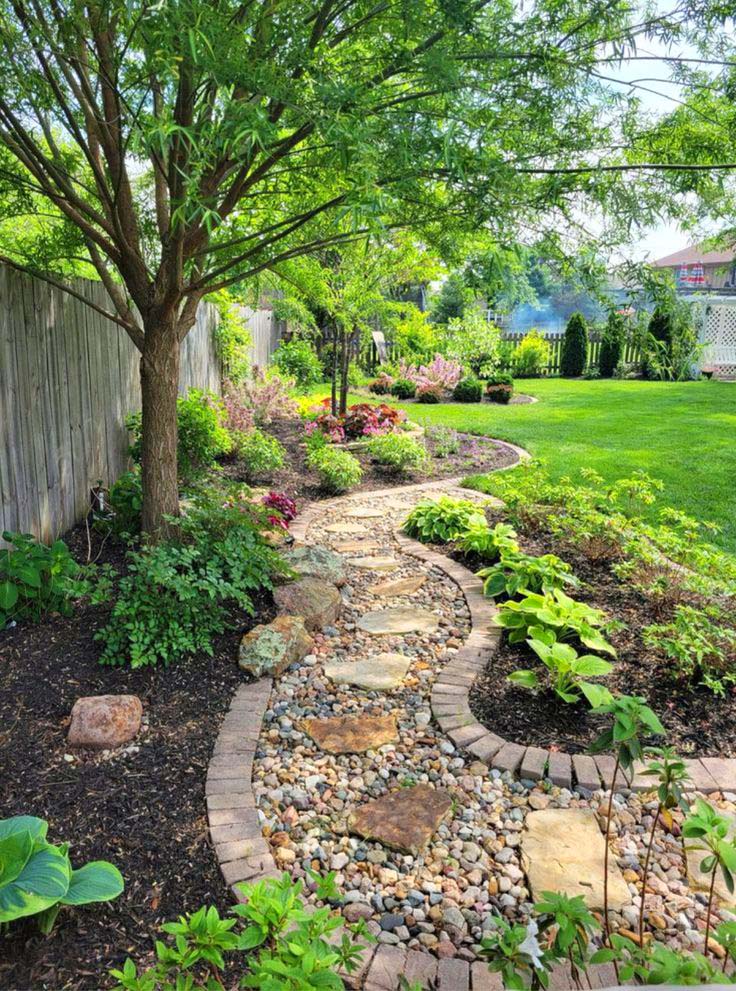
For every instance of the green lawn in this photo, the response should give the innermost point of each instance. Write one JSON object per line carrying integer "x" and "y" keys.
{"x": 683, "y": 433}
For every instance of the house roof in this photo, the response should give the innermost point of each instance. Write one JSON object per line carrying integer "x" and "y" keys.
{"x": 693, "y": 255}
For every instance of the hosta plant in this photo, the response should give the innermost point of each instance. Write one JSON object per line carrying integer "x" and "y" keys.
{"x": 485, "y": 541}
{"x": 567, "y": 672}
{"x": 516, "y": 571}
{"x": 554, "y": 612}
{"x": 37, "y": 878}
{"x": 438, "y": 521}
{"x": 36, "y": 579}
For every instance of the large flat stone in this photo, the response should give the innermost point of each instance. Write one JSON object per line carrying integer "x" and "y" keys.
{"x": 699, "y": 881}
{"x": 402, "y": 619}
{"x": 346, "y": 528}
{"x": 403, "y": 820}
{"x": 317, "y": 562}
{"x": 364, "y": 513}
{"x": 380, "y": 673}
{"x": 563, "y": 850}
{"x": 271, "y": 647}
{"x": 399, "y": 586}
{"x": 318, "y": 602}
{"x": 357, "y": 546}
{"x": 352, "y": 734}
{"x": 380, "y": 563}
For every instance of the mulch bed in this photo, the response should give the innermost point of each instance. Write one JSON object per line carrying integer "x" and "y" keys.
{"x": 477, "y": 454}
{"x": 698, "y": 723}
{"x": 143, "y": 811}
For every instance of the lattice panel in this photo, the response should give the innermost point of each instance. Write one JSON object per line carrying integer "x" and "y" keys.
{"x": 719, "y": 332}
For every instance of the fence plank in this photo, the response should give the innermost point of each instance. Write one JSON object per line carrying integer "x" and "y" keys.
{"x": 68, "y": 378}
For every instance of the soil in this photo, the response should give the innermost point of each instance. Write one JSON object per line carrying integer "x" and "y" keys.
{"x": 698, "y": 723}
{"x": 142, "y": 810}
{"x": 476, "y": 455}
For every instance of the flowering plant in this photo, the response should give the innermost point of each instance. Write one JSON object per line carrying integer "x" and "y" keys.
{"x": 361, "y": 420}
{"x": 285, "y": 506}
{"x": 440, "y": 372}
{"x": 257, "y": 401}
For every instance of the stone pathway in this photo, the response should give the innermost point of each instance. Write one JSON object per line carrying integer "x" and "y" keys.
{"x": 364, "y": 762}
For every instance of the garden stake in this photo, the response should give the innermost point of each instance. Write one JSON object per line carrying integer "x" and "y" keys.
{"x": 710, "y": 907}
{"x": 605, "y": 856}
{"x": 646, "y": 873}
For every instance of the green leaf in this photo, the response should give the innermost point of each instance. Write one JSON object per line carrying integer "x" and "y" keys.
{"x": 525, "y": 678}
{"x": 15, "y": 850}
{"x": 595, "y": 694}
{"x": 97, "y": 881}
{"x": 592, "y": 667}
{"x": 36, "y": 827}
{"x": 8, "y": 595}
{"x": 46, "y": 874}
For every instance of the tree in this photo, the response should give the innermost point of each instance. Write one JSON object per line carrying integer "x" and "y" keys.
{"x": 574, "y": 347}
{"x": 181, "y": 147}
{"x": 453, "y": 297}
{"x": 611, "y": 344}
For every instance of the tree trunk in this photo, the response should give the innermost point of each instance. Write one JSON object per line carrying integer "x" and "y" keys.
{"x": 344, "y": 368}
{"x": 333, "y": 378}
{"x": 159, "y": 389}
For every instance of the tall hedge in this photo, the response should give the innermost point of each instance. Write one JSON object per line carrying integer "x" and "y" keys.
{"x": 660, "y": 328}
{"x": 611, "y": 345}
{"x": 574, "y": 347}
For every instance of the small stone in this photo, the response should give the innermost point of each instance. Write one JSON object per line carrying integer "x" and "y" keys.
{"x": 356, "y": 911}
{"x": 102, "y": 722}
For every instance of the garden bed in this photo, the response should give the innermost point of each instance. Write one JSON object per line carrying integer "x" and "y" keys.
{"x": 476, "y": 454}
{"x": 698, "y": 723}
{"x": 142, "y": 808}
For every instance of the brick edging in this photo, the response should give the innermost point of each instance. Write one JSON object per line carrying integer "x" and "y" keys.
{"x": 450, "y": 702}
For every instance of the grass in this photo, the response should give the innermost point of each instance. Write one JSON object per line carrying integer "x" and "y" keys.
{"x": 682, "y": 433}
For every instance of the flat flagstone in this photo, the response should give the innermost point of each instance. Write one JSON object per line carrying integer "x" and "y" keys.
{"x": 356, "y": 546}
{"x": 399, "y": 620}
{"x": 374, "y": 563}
{"x": 563, "y": 850}
{"x": 352, "y": 734}
{"x": 365, "y": 513}
{"x": 398, "y": 586}
{"x": 381, "y": 673}
{"x": 403, "y": 820}
{"x": 346, "y": 528}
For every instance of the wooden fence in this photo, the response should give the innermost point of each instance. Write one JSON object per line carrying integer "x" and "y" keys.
{"x": 266, "y": 332}
{"x": 68, "y": 378}
{"x": 630, "y": 353}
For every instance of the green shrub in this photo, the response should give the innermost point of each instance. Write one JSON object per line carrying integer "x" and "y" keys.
{"x": 298, "y": 359}
{"x": 574, "y": 347}
{"x": 474, "y": 342}
{"x": 403, "y": 389}
{"x": 485, "y": 541}
{"x": 438, "y": 521}
{"x": 701, "y": 643}
{"x": 516, "y": 572}
{"x": 468, "y": 390}
{"x": 531, "y": 356}
{"x": 203, "y": 438}
{"x": 500, "y": 378}
{"x": 36, "y": 579}
{"x": 281, "y": 946}
{"x": 553, "y": 615}
{"x": 500, "y": 387}
{"x": 37, "y": 878}
{"x": 398, "y": 453}
{"x": 338, "y": 470}
{"x": 261, "y": 454}
{"x": 126, "y": 502}
{"x": 178, "y": 595}
{"x": 430, "y": 394}
{"x": 566, "y": 673}
{"x": 444, "y": 440}
{"x": 611, "y": 345}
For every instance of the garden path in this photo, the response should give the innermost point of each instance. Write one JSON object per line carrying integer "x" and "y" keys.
{"x": 365, "y": 768}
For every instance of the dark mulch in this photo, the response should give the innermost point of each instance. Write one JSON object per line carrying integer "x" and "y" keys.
{"x": 477, "y": 454}
{"x": 698, "y": 723}
{"x": 145, "y": 811}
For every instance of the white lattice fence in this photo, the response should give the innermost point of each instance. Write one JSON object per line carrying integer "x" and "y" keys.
{"x": 719, "y": 335}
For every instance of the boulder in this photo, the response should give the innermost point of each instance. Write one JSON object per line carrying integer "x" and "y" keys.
{"x": 318, "y": 602}
{"x": 271, "y": 647}
{"x": 102, "y": 722}
{"x": 317, "y": 562}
